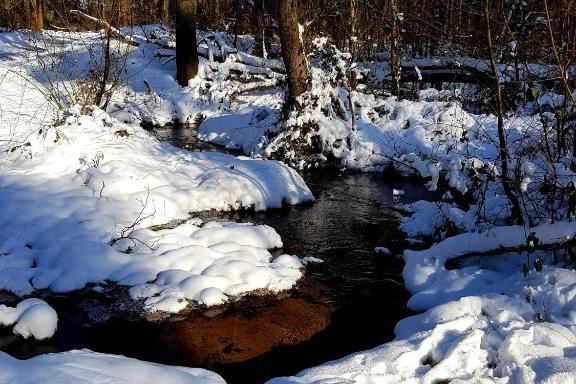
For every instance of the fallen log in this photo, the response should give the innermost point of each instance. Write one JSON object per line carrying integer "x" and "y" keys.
{"x": 106, "y": 26}
{"x": 444, "y": 74}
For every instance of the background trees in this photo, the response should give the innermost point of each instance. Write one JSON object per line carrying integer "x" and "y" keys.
{"x": 426, "y": 27}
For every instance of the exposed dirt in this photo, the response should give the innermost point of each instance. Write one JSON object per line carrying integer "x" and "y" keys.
{"x": 104, "y": 318}
{"x": 253, "y": 326}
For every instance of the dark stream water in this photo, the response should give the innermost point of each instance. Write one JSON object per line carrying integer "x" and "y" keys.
{"x": 348, "y": 303}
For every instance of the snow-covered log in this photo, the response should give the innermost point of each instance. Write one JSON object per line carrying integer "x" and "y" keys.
{"x": 104, "y": 24}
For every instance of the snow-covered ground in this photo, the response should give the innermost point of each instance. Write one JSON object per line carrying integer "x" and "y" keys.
{"x": 97, "y": 368}
{"x": 484, "y": 321}
{"x": 79, "y": 193}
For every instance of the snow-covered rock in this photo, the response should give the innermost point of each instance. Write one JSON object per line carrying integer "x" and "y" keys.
{"x": 31, "y": 318}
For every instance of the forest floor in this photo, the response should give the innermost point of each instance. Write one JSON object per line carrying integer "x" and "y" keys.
{"x": 86, "y": 195}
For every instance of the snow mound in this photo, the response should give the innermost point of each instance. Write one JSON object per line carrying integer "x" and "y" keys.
{"x": 208, "y": 265}
{"x": 478, "y": 340}
{"x": 31, "y": 318}
{"x": 485, "y": 322}
{"x": 97, "y": 368}
{"x": 77, "y": 191}
{"x": 426, "y": 277}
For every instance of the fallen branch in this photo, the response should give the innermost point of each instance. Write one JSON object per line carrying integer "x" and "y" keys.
{"x": 110, "y": 29}
{"x": 569, "y": 244}
{"x": 212, "y": 47}
{"x": 255, "y": 88}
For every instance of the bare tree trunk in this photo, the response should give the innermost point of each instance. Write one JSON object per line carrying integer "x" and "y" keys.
{"x": 292, "y": 50}
{"x": 164, "y": 11}
{"x": 214, "y": 14}
{"x": 261, "y": 23}
{"x": 395, "y": 48}
{"x": 559, "y": 62}
{"x": 238, "y": 10}
{"x": 517, "y": 212}
{"x": 123, "y": 13}
{"x": 352, "y": 71}
{"x": 35, "y": 13}
{"x": 186, "y": 55}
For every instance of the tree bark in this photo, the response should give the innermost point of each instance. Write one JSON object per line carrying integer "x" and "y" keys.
{"x": 395, "y": 48}
{"x": 292, "y": 50}
{"x": 238, "y": 11}
{"x": 123, "y": 13}
{"x": 517, "y": 212}
{"x": 186, "y": 55}
{"x": 351, "y": 70}
{"x": 35, "y": 11}
{"x": 164, "y": 11}
{"x": 262, "y": 26}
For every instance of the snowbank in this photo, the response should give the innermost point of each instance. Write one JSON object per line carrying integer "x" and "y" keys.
{"x": 96, "y": 368}
{"x": 426, "y": 277}
{"x": 485, "y": 321}
{"x": 65, "y": 203}
{"x": 478, "y": 340}
{"x": 31, "y": 318}
{"x": 78, "y": 190}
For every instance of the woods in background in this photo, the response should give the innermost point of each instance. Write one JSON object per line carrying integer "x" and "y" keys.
{"x": 421, "y": 27}
{"x": 523, "y": 31}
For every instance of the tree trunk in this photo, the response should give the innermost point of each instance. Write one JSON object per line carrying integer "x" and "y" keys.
{"x": 123, "y": 13}
{"x": 395, "y": 48}
{"x": 214, "y": 14}
{"x": 517, "y": 212}
{"x": 262, "y": 26}
{"x": 35, "y": 11}
{"x": 186, "y": 55}
{"x": 238, "y": 11}
{"x": 164, "y": 11}
{"x": 292, "y": 50}
{"x": 351, "y": 70}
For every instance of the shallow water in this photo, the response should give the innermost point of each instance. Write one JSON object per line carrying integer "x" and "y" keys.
{"x": 350, "y": 302}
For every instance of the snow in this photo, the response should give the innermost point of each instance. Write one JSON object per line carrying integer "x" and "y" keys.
{"x": 81, "y": 194}
{"x": 430, "y": 282}
{"x": 82, "y": 188}
{"x": 208, "y": 265}
{"x": 97, "y": 368}
{"x": 484, "y": 322}
{"x": 78, "y": 195}
{"x": 429, "y": 218}
{"x": 31, "y": 318}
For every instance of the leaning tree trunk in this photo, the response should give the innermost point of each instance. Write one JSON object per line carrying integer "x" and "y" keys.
{"x": 35, "y": 13}
{"x": 186, "y": 54}
{"x": 292, "y": 50}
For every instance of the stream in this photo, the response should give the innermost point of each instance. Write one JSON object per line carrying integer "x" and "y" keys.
{"x": 348, "y": 303}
